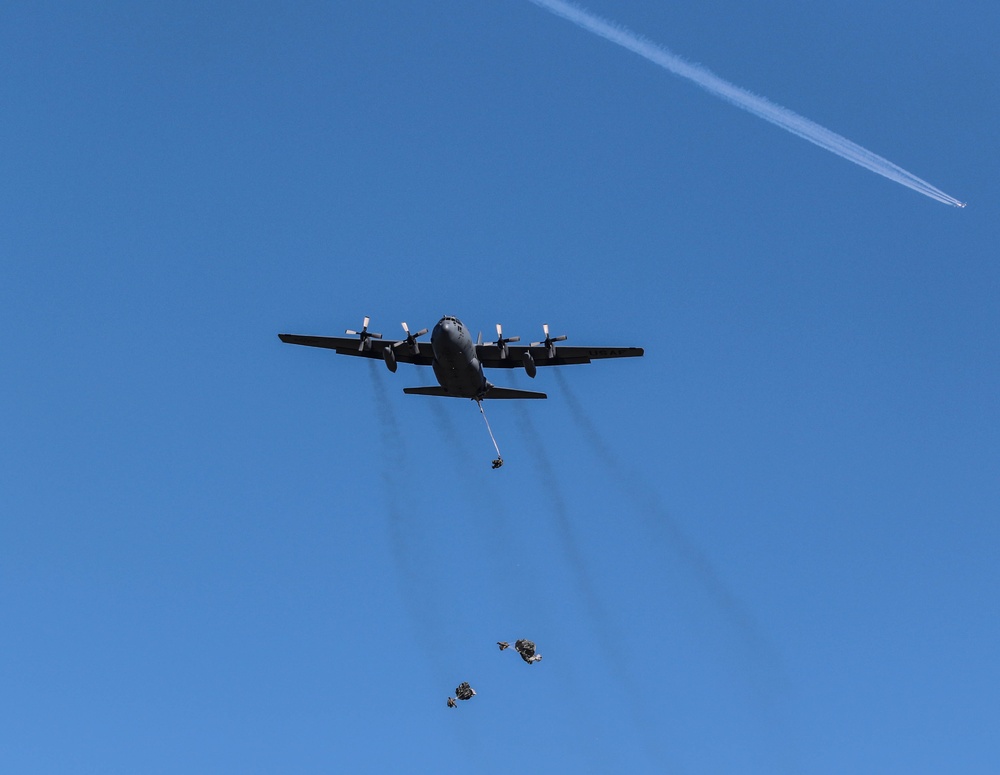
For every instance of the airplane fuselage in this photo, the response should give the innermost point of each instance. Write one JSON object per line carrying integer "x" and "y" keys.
{"x": 456, "y": 366}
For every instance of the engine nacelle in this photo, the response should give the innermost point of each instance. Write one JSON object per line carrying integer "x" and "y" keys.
{"x": 529, "y": 365}
{"x": 390, "y": 359}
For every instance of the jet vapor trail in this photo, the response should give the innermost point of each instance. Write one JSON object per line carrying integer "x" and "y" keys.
{"x": 741, "y": 98}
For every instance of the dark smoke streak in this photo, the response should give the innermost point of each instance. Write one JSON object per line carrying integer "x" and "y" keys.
{"x": 659, "y": 519}
{"x": 605, "y": 630}
{"x": 428, "y": 616}
{"x": 424, "y": 618}
{"x": 570, "y": 547}
{"x": 766, "y": 673}
{"x": 443, "y": 422}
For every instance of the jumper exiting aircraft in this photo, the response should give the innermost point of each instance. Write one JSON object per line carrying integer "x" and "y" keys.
{"x": 458, "y": 361}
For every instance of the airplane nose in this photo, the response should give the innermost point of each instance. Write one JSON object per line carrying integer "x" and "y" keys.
{"x": 449, "y": 330}
{"x": 446, "y": 335}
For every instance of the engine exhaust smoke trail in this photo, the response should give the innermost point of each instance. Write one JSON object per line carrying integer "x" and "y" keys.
{"x": 426, "y": 614}
{"x": 662, "y": 523}
{"x": 741, "y": 98}
{"x": 601, "y": 620}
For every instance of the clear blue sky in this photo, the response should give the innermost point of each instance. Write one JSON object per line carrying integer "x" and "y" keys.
{"x": 768, "y": 546}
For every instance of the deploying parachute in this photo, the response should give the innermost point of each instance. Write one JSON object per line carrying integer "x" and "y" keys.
{"x": 526, "y": 649}
{"x": 465, "y": 692}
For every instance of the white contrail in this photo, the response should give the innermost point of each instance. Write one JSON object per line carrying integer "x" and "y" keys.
{"x": 741, "y": 98}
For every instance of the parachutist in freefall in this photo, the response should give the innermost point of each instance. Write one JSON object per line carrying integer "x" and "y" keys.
{"x": 503, "y": 644}
{"x": 452, "y": 703}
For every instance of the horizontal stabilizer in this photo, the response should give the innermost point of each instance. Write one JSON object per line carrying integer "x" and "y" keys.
{"x": 500, "y": 392}
{"x": 430, "y": 391}
{"x": 493, "y": 392}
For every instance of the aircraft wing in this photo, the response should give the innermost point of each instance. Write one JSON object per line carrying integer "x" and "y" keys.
{"x": 372, "y": 348}
{"x": 490, "y": 356}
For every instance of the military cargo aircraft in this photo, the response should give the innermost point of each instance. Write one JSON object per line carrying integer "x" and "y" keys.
{"x": 458, "y": 361}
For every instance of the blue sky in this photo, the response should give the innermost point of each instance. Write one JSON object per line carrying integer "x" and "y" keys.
{"x": 768, "y": 546}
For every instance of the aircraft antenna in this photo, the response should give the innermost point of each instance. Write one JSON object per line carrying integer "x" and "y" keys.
{"x": 499, "y": 458}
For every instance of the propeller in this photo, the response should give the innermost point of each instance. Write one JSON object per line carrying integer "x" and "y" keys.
{"x": 502, "y": 343}
{"x": 411, "y": 339}
{"x": 550, "y": 341}
{"x": 365, "y": 335}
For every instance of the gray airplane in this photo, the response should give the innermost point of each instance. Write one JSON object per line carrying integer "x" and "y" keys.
{"x": 458, "y": 361}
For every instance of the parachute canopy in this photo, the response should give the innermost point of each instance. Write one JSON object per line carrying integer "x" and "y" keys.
{"x": 526, "y": 649}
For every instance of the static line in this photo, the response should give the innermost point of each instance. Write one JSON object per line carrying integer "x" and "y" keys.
{"x": 498, "y": 460}
{"x": 741, "y": 98}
